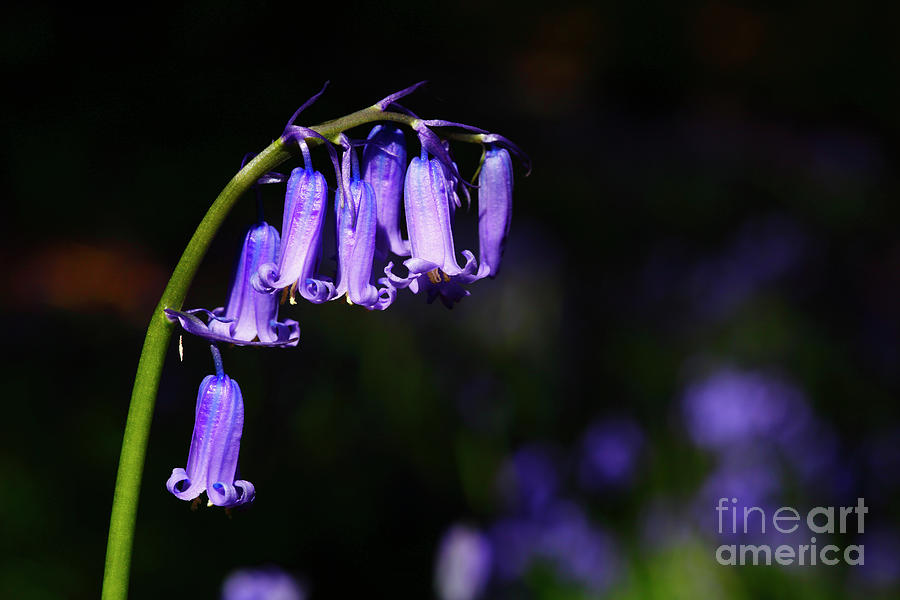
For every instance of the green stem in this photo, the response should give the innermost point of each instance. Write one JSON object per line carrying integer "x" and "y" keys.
{"x": 146, "y": 381}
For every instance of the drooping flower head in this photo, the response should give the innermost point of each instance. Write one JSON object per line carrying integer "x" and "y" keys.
{"x": 433, "y": 266}
{"x": 383, "y": 164}
{"x": 215, "y": 443}
{"x": 356, "y": 231}
{"x": 250, "y": 317}
{"x": 495, "y": 186}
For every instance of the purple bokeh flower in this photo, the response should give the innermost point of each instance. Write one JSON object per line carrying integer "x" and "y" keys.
{"x": 383, "y": 167}
{"x": 610, "y": 451}
{"x": 463, "y": 564}
{"x": 433, "y": 265}
{"x": 250, "y": 317}
{"x": 561, "y": 536}
{"x": 304, "y": 216}
{"x": 736, "y": 485}
{"x": 529, "y": 480}
{"x": 495, "y": 186}
{"x": 268, "y": 583}
{"x": 513, "y": 540}
{"x": 763, "y": 251}
{"x": 215, "y": 444}
{"x": 580, "y": 551}
{"x": 735, "y": 407}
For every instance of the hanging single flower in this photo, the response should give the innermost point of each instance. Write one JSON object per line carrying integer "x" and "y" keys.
{"x": 433, "y": 265}
{"x": 250, "y": 318}
{"x": 356, "y": 230}
{"x": 215, "y": 443}
{"x": 383, "y": 164}
{"x": 304, "y": 215}
{"x": 495, "y": 187}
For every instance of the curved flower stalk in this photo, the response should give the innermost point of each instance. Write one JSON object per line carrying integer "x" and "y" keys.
{"x": 356, "y": 229}
{"x": 495, "y": 186}
{"x": 215, "y": 443}
{"x": 433, "y": 265}
{"x": 383, "y": 164}
{"x": 250, "y": 318}
{"x": 427, "y": 198}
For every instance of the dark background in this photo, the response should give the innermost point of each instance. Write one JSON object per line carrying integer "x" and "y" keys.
{"x": 669, "y": 142}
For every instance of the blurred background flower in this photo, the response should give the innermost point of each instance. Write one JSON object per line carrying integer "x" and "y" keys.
{"x": 266, "y": 583}
{"x": 700, "y": 297}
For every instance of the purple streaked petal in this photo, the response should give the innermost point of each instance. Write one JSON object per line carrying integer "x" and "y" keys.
{"x": 383, "y": 164}
{"x": 388, "y": 100}
{"x": 495, "y": 187}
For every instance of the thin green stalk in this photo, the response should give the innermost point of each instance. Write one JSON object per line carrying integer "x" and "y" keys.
{"x": 146, "y": 382}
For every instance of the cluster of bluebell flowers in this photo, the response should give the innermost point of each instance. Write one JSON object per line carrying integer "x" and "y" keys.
{"x": 372, "y": 176}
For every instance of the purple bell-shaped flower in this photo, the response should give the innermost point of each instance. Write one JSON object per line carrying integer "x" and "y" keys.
{"x": 304, "y": 216}
{"x": 215, "y": 444}
{"x": 356, "y": 232}
{"x": 383, "y": 164}
{"x": 495, "y": 186}
{"x": 433, "y": 265}
{"x": 250, "y": 318}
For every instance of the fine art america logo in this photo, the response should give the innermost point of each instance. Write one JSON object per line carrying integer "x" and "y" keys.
{"x": 821, "y": 520}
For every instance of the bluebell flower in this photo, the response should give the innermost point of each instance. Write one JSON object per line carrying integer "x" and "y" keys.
{"x": 495, "y": 186}
{"x": 356, "y": 224}
{"x": 463, "y": 564}
{"x": 215, "y": 443}
{"x": 383, "y": 165}
{"x": 250, "y": 318}
{"x": 268, "y": 583}
{"x": 433, "y": 265}
{"x": 304, "y": 216}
